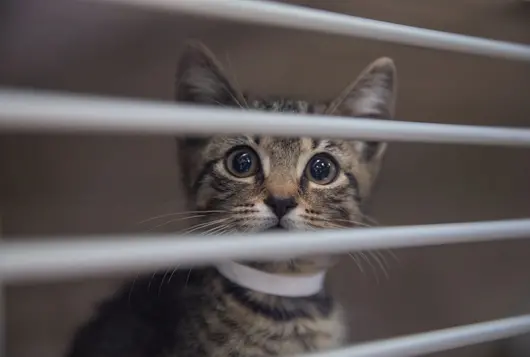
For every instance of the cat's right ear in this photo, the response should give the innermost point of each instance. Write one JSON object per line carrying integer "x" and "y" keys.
{"x": 201, "y": 79}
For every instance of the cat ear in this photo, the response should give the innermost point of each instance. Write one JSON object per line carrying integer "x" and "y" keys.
{"x": 371, "y": 95}
{"x": 201, "y": 79}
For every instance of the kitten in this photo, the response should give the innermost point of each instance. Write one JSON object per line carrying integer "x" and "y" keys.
{"x": 251, "y": 183}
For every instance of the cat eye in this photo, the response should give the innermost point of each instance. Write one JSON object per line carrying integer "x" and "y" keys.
{"x": 242, "y": 162}
{"x": 321, "y": 169}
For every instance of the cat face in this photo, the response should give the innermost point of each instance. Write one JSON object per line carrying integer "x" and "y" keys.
{"x": 252, "y": 183}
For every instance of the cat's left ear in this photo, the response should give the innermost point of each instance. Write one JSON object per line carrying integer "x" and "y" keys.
{"x": 371, "y": 95}
{"x": 201, "y": 79}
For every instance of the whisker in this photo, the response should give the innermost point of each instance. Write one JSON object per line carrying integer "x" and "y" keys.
{"x": 176, "y": 220}
{"x": 350, "y": 221}
{"x": 352, "y": 256}
{"x": 223, "y": 231}
{"x": 150, "y": 282}
{"x": 220, "y": 104}
{"x": 232, "y": 227}
{"x": 371, "y": 220}
{"x": 211, "y": 231}
{"x": 172, "y": 273}
{"x": 367, "y": 260}
{"x": 393, "y": 255}
{"x": 180, "y": 213}
{"x": 132, "y": 288}
{"x": 204, "y": 225}
{"x": 383, "y": 257}
{"x": 336, "y": 222}
{"x": 330, "y": 224}
{"x": 378, "y": 261}
{"x": 162, "y": 282}
{"x": 187, "y": 278}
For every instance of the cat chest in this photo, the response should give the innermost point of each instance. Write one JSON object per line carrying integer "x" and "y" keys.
{"x": 276, "y": 339}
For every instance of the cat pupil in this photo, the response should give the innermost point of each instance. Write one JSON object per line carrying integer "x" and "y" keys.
{"x": 242, "y": 162}
{"x": 320, "y": 168}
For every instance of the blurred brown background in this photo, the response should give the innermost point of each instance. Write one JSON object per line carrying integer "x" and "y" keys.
{"x": 99, "y": 184}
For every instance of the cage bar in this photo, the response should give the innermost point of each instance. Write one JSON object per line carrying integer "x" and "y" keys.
{"x": 30, "y": 111}
{"x": 3, "y": 336}
{"x": 304, "y": 18}
{"x": 72, "y": 257}
{"x": 436, "y": 341}
{"x": 3, "y": 309}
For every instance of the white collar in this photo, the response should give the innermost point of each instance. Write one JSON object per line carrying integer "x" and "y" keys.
{"x": 273, "y": 284}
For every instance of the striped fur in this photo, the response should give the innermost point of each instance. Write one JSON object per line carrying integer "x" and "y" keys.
{"x": 201, "y": 314}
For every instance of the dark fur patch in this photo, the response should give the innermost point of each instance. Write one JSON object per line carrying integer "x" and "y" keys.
{"x": 282, "y": 309}
{"x": 155, "y": 316}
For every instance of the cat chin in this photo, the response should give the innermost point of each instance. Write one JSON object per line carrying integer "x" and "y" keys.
{"x": 276, "y": 229}
{"x": 282, "y": 228}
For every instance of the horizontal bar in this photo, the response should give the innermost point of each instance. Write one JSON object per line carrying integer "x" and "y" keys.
{"x": 436, "y": 341}
{"x": 304, "y": 18}
{"x": 71, "y": 257}
{"x": 29, "y": 111}
{"x": 3, "y": 309}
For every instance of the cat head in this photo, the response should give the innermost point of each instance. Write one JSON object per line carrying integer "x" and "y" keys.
{"x": 253, "y": 183}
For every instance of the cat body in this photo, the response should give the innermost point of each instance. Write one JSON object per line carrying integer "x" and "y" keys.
{"x": 202, "y": 314}
{"x": 250, "y": 183}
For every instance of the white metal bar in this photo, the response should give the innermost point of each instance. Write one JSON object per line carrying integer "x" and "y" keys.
{"x": 71, "y": 257}
{"x": 3, "y": 337}
{"x": 26, "y": 111}
{"x": 435, "y": 341}
{"x": 298, "y": 17}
